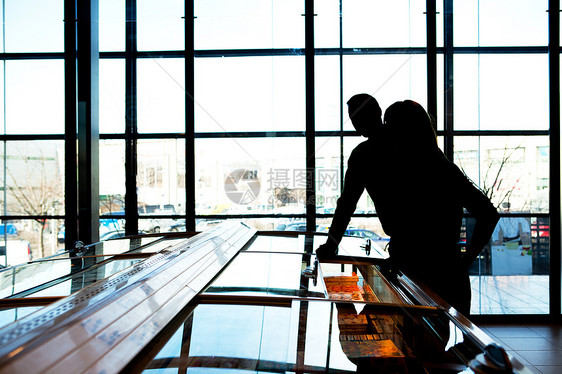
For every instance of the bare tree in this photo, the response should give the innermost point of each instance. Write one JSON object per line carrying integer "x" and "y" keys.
{"x": 35, "y": 187}
{"x": 494, "y": 183}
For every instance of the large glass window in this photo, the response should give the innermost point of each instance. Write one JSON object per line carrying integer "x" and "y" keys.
{"x": 34, "y": 100}
{"x": 522, "y": 23}
{"x": 161, "y": 95}
{"x": 250, "y": 101}
{"x": 249, "y": 94}
{"x": 33, "y": 26}
{"x": 383, "y": 24}
{"x": 501, "y": 92}
{"x": 225, "y": 24}
{"x": 249, "y": 176}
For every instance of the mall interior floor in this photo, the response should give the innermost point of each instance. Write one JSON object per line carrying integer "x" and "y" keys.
{"x": 539, "y": 346}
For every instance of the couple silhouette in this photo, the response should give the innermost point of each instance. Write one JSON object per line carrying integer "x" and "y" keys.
{"x": 419, "y": 196}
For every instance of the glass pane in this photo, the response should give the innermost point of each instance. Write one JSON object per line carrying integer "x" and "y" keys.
{"x": 249, "y": 94}
{"x": 363, "y": 283}
{"x": 14, "y": 249}
{"x": 21, "y": 278}
{"x": 112, "y": 176}
{"x": 33, "y": 181}
{"x": 511, "y": 171}
{"x": 226, "y": 24}
{"x": 156, "y": 225}
{"x": 288, "y": 224}
{"x": 160, "y": 25}
{"x": 511, "y": 275}
{"x": 161, "y": 176}
{"x": 327, "y": 98}
{"x": 250, "y": 176}
{"x": 328, "y": 176}
{"x": 120, "y": 245}
{"x": 80, "y": 280}
{"x": 111, "y": 25}
{"x": 388, "y": 78}
{"x": 112, "y": 96}
{"x": 34, "y": 97}
{"x": 161, "y": 95}
{"x": 316, "y": 336}
{"x": 10, "y": 315}
{"x": 399, "y": 23}
{"x": 522, "y": 23}
{"x": 327, "y": 24}
{"x": 112, "y": 228}
{"x": 266, "y": 274}
{"x": 266, "y": 243}
{"x": 34, "y": 26}
{"x": 34, "y": 173}
{"x": 485, "y": 92}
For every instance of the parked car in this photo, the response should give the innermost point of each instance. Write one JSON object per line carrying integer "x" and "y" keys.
{"x": 19, "y": 252}
{"x": 294, "y": 226}
{"x": 381, "y": 241}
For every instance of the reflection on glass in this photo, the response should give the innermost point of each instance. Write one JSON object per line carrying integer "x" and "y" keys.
{"x": 158, "y": 246}
{"x": 19, "y": 279}
{"x": 249, "y": 94}
{"x": 160, "y": 25}
{"x": 383, "y": 24}
{"x": 80, "y": 280}
{"x": 34, "y": 96}
{"x": 318, "y": 337}
{"x": 158, "y": 112}
{"x": 250, "y": 176}
{"x": 225, "y": 24}
{"x": 10, "y": 315}
{"x": 267, "y": 274}
{"x": 112, "y": 247}
{"x": 275, "y": 244}
{"x": 362, "y": 283}
{"x": 34, "y": 25}
{"x": 486, "y": 90}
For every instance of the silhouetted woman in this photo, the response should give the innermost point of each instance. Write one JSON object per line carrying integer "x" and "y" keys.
{"x": 427, "y": 194}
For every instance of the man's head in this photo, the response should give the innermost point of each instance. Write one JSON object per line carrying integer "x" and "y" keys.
{"x": 365, "y": 114}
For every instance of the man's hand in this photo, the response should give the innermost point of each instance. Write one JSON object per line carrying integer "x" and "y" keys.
{"x": 326, "y": 250}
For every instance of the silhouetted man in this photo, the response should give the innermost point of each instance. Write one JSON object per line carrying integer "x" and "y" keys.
{"x": 419, "y": 201}
{"x": 365, "y": 114}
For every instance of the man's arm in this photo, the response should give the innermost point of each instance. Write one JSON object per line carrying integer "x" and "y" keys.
{"x": 353, "y": 187}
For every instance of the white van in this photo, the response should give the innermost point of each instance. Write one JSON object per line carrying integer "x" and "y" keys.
{"x": 19, "y": 252}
